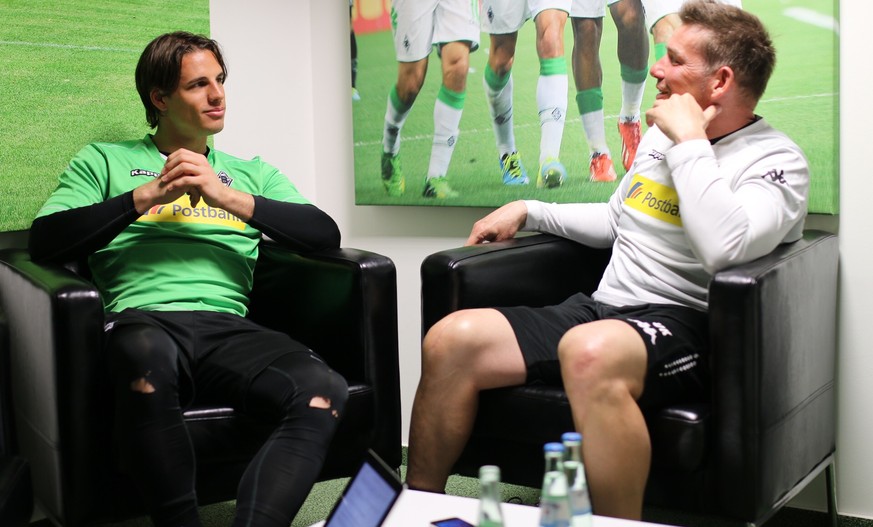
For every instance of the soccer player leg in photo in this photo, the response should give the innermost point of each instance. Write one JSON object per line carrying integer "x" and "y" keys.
{"x": 452, "y": 26}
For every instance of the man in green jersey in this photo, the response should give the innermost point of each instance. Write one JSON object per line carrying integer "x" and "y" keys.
{"x": 171, "y": 228}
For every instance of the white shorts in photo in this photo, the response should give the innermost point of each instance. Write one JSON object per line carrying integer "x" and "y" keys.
{"x": 500, "y": 17}
{"x": 658, "y": 9}
{"x": 590, "y": 8}
{"x": 418, "y": 25}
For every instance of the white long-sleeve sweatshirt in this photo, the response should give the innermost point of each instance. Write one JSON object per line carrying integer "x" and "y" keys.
{"x": 684, "y": 211}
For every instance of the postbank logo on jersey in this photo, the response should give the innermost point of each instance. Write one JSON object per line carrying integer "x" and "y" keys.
{"x": 654, "y": 199}
{"x": 181, "y": 211}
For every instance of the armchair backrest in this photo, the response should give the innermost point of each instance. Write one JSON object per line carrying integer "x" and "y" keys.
{"x": 319, "y": 303}
{"x": 773, "y": 331}
{"x": 555, "y": 264}
{"x": 50, "y": 308}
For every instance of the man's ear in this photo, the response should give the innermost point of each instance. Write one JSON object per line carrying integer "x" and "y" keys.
{"x": 157, "y": 99}
{"x": 722, "y": 82}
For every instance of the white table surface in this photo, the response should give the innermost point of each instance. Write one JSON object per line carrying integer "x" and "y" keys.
{"x": 418, "y": 509}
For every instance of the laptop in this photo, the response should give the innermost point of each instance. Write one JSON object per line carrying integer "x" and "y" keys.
{"x": 368, "y": 497}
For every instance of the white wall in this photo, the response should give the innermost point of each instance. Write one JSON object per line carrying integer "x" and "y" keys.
{"x": 289, "y": 102}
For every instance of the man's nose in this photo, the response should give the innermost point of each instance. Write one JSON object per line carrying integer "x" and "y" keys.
{"x": 657, "y": 69}
{"x": 216, "y": 92}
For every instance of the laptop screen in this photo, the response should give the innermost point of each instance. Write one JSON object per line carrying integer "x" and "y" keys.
{"x": 368, "y": 497}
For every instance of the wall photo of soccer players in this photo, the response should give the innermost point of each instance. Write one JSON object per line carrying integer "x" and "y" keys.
{"x": 465, "y": 102}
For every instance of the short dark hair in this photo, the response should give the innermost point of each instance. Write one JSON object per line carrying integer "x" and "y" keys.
{"x": 737, "y": 39}
{"x": 160, "y": 66}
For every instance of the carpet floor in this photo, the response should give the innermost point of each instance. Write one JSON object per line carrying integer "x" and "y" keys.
{"x": 325, "y": 494}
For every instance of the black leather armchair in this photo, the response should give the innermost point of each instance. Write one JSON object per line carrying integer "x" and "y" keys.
{"x": 16, "y": 500}
{"x": 341, "y": 303}
{"x": 768, "y": 426}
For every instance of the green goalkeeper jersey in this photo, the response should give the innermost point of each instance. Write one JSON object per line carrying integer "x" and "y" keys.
{"x": 175, "y": 257}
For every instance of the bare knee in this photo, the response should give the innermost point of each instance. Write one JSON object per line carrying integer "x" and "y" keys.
{"x": 449, "y": 343}
{"x": 408, "y": 88}
{"x": 331, "y": 395}
{"x": 142, "y": 385}
{"x": 595, "y": 365}
{"x": 298, "y": 384}
{"x": 410, "y": 79}
{"x": 455, "y": 69}
{"x": 502, "y": 53}
{"x": 664, "y": 27}
{"x": 587, "y": 33}
{"x": 550, "y": 33}
{"x": 324, "y": 403}
{"x": 628, "y": 14}
{"x": 581, "y": 356}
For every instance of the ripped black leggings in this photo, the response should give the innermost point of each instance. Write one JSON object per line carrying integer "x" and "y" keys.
{"x": 161, "y": 361}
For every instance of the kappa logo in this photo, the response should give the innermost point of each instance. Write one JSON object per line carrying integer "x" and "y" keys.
{"x": 653, "y": 329}
{"x": 657, "y": 156}
{"x": 490, "y": 15}
{"x": 143, "y": 172}
{"x": 775, "y": 175}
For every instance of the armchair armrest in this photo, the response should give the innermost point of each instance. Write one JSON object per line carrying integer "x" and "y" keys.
{"x": 533, "y": 270}
{"x": 773, "y": 342}
{"x": 342, "y": 303}
{"x": 55, "y": 320}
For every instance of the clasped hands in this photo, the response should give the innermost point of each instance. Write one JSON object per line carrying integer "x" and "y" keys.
{"x": 185, "y": 172}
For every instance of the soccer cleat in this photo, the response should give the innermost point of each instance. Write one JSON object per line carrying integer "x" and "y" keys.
{"x": 552, "y": 174}
{"x": 629, "y": 129}
{"x": 356, "y": 96}
{"x": 392, "y": 176}
{"x": 600, "y": 167}
{"x": 438, "y": 187}
{"x": 513, "y": 170}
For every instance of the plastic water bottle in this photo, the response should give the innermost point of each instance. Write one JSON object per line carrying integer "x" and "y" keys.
{"x": 490, "y": 514}
{"x": 580, "y": 501}
{"x": 554, "y": 503}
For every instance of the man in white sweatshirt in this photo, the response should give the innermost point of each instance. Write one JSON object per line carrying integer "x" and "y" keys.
{"x": 712, "y": 185}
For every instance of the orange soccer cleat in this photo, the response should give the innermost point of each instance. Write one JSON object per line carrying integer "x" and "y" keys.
{"x": 629, "y": 129}
{"x": 600, "y": 167}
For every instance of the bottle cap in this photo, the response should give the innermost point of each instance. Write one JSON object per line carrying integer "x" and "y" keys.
{"x": 553, "y": 447}
{"x": 571, "y": 437}
{"x": 489, "y": 472}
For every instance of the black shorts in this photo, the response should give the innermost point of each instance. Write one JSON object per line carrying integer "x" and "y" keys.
{"x": 676, "y": 341}
{"x": 219, "y": 353}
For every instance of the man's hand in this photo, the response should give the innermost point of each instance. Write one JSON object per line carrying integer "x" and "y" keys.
{"x": 155, "y": 192}
{"x": 191, "y": 171}
{"x": 501, "y": 224}
{"x": 187, "y": 172}
{"x": 681, "y": 118}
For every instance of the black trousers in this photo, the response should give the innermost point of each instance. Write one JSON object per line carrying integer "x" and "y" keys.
{"x": 164, "y": 361}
